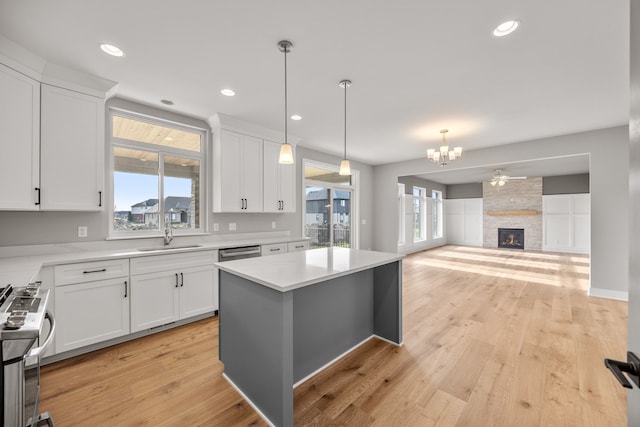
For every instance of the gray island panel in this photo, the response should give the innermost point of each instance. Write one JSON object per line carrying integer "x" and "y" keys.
{"x": 329, "y": 319}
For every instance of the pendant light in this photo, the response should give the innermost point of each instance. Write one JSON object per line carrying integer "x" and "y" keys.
{"x": 345, "y": 167}
{"x": 286, "y": 152}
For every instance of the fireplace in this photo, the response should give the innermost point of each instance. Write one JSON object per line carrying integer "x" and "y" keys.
{"x": 512, "y": 238}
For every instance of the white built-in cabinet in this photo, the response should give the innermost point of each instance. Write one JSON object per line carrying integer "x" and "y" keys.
{"x": 279, "y": 181}
{"x": 91, "y": 303}
{"x": 19, "y": 140}
{"x": 72, "y": 150}
{"x": 566, "y": 223}
{"x": 237, "y": 173}
{"x": 168, "y": 288}
{"x": 464, "y": 221}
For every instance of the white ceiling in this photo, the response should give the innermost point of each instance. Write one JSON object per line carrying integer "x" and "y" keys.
{"x": 417, "y": 66}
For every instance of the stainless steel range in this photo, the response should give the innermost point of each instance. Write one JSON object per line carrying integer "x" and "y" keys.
{"x": 23, "y": 312}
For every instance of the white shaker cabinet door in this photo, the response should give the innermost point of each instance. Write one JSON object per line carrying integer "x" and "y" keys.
{"x": 198, "y": 291}
{"x": 279, "y": 181}
{"x": 88, "y": 313}
{"x": 237, "y": 173}
{"x": 154, "y": 300}
{"x": 19, "y": 141}
{"x": 72, "y": 150}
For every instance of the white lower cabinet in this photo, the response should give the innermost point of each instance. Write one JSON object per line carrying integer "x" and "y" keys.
{"x": 171, "y": 292}
{"x": 88, "y": 313}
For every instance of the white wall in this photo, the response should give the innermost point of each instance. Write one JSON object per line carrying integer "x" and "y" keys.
{"x": 566, "y": 221}
{"x": 609, "y": 149}
{"x": 463, "y": 221}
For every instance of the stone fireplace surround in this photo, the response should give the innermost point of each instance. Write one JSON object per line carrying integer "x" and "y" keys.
{"x": 517, "y": 204}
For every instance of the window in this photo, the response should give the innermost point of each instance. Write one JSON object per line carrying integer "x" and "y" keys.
{"x": 401, "y": 223}
{"x": 419, "y": 214}
{"x": 330, "y": 206}
{"x": 157, "y": 169}
{"x": 437, "y": 214}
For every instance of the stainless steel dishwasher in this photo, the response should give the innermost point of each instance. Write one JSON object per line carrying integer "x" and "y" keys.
{"x": 241, "y": 252}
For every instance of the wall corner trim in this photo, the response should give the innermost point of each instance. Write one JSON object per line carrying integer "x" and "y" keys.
{"x": 608, "y": 294}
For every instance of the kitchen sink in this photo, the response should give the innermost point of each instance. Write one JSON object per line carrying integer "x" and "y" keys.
{"x": 167, "y": 248}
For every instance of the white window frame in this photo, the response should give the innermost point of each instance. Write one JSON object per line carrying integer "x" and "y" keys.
{"x": 354, "y": 188}
{"x": 438, "y": 214}
{"x": 201, "y": 157}
{"x": 422, "y": 201}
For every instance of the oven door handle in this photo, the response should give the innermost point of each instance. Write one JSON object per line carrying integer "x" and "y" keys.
{"x": 36, "y": 351}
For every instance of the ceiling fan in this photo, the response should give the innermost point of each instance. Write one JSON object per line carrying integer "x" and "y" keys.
{"x": 500, "y": 179}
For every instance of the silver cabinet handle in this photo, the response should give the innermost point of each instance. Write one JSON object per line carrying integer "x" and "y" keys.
{"x": 177, "y": 284}
{"x": 125, "y": 289}
{"x": 274, "y": 249}
{"x": 181, "y": 279}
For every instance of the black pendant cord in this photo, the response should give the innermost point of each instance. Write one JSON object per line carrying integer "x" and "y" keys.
{"x": 345, "y": 120}
{"x": 285, "y": 93}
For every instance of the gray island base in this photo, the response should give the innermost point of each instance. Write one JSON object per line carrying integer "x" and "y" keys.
{"x": 286, "y": 317}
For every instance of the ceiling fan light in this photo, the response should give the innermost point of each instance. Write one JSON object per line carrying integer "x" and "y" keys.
{"x": 286, "y": 154}
{"x": 494, "y": 182}
{"x": 501, "y": 183}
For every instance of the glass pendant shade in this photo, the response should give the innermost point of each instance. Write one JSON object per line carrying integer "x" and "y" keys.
{"x": 286, "y": 154}
{"x": 345, "y": 168}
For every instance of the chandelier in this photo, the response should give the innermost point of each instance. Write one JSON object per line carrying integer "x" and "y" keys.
{"x": 444, "y": 154}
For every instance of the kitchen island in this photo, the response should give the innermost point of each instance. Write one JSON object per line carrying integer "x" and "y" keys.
{"x": 284, "y": 318}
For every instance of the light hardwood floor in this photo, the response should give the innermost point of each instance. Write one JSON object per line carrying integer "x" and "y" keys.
{"x": 491, "y": 338}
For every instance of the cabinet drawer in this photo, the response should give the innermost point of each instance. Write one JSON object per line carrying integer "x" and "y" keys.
{"x": 277, "y": 248}
{"x": 155, "y": 263}
{"x": 298, "y": 246}
{"x": 90, "y": 271}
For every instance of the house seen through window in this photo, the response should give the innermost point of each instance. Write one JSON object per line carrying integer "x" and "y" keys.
{"x": 157, "y": 168}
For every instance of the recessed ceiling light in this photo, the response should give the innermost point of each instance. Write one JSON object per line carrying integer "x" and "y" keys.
{"x": 296, "y": 117}
{"x": 227, "y": 92}
{"x": 506, "y": 28}
{"x": 111, "y": 49}
{"x": 168, "y": 138}
{"x": 166, "y": 101}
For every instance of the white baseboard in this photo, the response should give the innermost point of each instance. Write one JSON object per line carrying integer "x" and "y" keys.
{"x": 608, "y": 294}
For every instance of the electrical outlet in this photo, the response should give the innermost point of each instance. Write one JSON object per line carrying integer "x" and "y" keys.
{"x": 232, "y": 226}
{"x": 216, "y": 227}
{"x": 273, "y": 224}
{"x": 83, "y": 231}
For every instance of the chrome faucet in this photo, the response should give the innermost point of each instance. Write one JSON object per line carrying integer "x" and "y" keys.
{"x": 168, "y": 233}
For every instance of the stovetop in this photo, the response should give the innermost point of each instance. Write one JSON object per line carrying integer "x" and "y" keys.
{"x": 30, "y": 302}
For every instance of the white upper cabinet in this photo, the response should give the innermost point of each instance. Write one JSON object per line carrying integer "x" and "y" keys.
{"x": 19, "y": 140}
{"x": 279, "y": 181}
{"x": 237, "y": 172}
{"x": 72, "y": 150}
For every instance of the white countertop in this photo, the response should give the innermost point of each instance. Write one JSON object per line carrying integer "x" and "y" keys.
{"x": 294, "y": 270}
{"x": 20, "y": 270}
